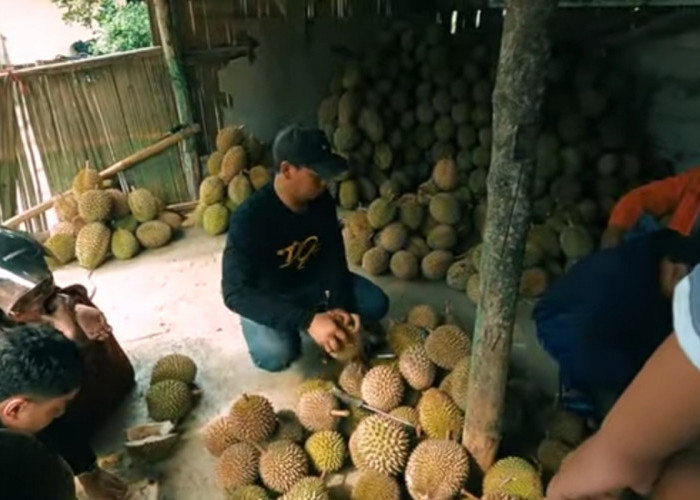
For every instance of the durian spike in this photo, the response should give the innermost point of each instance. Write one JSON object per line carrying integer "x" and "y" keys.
{"x": 419, "y": 431}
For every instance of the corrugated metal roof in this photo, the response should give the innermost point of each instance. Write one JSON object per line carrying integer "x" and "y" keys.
{"x": 615, "y": 3}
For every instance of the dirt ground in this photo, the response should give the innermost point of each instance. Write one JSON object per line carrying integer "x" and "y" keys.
{"x": 169, "y": 300}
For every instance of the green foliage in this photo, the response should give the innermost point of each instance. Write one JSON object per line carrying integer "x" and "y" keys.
{"x": 118, "y": 26}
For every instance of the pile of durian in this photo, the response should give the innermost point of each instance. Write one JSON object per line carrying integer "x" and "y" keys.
{"x": 96, "y": 222}
{"x": 235, "y": 170}
{"x": 413, "y": 116}
{"x": 263, "y": 453}
{"x": 171, "y": 396}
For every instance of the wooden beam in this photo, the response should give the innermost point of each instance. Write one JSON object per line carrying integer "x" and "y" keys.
{"x": 180, "y": 90}
{"x": 517, "y": 100}
{"x": 112, "y": 170}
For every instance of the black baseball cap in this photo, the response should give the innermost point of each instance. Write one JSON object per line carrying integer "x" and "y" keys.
{"x": 307, "y": 147}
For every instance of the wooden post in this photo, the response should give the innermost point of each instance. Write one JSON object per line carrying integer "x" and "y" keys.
{"x": 517, "y": 100}
{"x": 180, "y": 90}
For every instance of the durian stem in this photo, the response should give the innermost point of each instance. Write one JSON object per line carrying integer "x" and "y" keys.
{"x": 340, "y": 413}
{"x": 517, "y": 100}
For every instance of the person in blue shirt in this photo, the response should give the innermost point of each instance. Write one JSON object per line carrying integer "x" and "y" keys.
{"x": 604, "y": 319}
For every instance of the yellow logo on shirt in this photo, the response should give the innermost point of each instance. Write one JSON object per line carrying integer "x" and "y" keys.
{"x": 299, "y": 252}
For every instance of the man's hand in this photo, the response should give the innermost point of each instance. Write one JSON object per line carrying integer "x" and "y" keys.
{"x": 326, "y": 332}
{"x": 101, "y": 485}
{"x": 595, "y": 471}
{"x": 62, "y": 317}
{"x": 350, "y": 322}
{"x": 611, "y": 237}
{"x": 92, "y": 322}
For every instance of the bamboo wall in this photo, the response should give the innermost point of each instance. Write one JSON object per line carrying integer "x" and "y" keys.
{"x": 98, "y": 111}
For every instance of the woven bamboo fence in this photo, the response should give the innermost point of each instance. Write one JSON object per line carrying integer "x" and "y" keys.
{"x": 95, "y": 111}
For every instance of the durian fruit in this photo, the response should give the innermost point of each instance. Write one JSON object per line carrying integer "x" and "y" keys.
{"x": 248, "y": 492}
{"x": 154, "y": 234}
{"x": 66, "y": 207}
{"x": 237, "y": 466}
{"x": 575, "y": 242}
{"x": 356, "y": 245}
{"x": 211, "y": 190}
{"x": 214, "y": 163}
{"x": 288, "y": 427}
{"x": 94, "y": 205}
{"x": 446, "y": 384}
{"x": 282, "y": 465}
{"x": 459, "y": 383}
{"x": 439, "y": 416}
{"x": 326, "y": 450}
{"x": 458, "y": 274}
{"x": 169, "y": 400}
{"x": 62, "y": 247}
{"x": 393, "y": 237}
{"x": 85, "y": 180}
{"x": 151, "y": 442}
{"x": 418, "y": 371}
{"x": 233, "y": 163}
{"x": 127, "y": 223}
{"x": 259, "y": 176}
{"x": 227, "y": 137}
{"x": 514, "y": 476}
{"x": 423, "y": 316}
{"x": 124, "y": 244}
{"x": 533, "y": 282}
{"x": 442, "y": 237}
{"x": 314, "y": 384}
{"x": 255, "y": 149}
{"x": 381, "y": 445}
{"x": 418, "y": 247}
{"x": 318, "y": 410}
{"x": 307, "y": 488}
{"x": 219, "y": 435}
{"x": 445, "y": 175}
{"x": 407, "y": 413}
{"x": 382, "y": 388}
{"x": 411, "y": 212}
{"x": 349, "y": 424}
{"x": 380, "y": 213}
{"x": 437, "y": 468}
{"x": 120, "y": 203}
{"x": 239, "y": 189}
{"x": 474, "y": 288}
{"x": 92, "y": 245}
{"x": 253, "y": 418}
{"x": 172, "y": 219}
{"x": 350, "y": 379}
{"x": 174, "y": 367}
{"x": 434, "y": 266}
{"x": 215, "y": 219}
{"x": 444, "y": 208}
{"x": 63, "y": 228}
{"x": 551, "y": 453}
{"x": 349, "y": 194}
{"x": 404, "y": 265}
{"x": 401, "y": 336}
{"x": 446, "y": 345}
{"x": 498, "y": 496}
{"x": 372, "y": 485}
{"x": 375, "y": 261}
{"x": 143, "y": 205}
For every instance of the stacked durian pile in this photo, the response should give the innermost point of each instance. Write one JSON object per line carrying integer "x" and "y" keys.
{"x": 263, "y": 454}
{"x": 235, "y": 170}
{"x": 171, "y": 396}
{"x": 96, "y": 222}
{"x": 413, "y": 116}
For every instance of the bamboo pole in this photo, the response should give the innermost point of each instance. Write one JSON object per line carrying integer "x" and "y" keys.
{"x": 517, "y": 100}
{"x": 180, "y": 90}
{"x": 112, "y": 170}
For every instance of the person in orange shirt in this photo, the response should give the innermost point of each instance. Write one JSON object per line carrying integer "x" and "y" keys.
{"x": 640, "y": 210}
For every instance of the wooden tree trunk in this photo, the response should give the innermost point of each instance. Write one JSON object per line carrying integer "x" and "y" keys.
{"x": 180, "y": 91}
{"x": 517, "y": 100}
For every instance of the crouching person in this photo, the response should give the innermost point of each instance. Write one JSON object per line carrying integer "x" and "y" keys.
{"x": 284, "y": 266}
{"x": 41, "y": 372}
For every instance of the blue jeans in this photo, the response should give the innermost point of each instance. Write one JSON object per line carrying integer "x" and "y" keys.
{"x": 274, "y": 350}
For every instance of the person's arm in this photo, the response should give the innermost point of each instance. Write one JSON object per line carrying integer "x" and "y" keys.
{"x": 657, "y": 198}
{"x": 657, "y": 416}
{"x": 240, "y": 294}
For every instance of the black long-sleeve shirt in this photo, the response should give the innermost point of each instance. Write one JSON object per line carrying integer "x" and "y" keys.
{"x": 279, "y": 264}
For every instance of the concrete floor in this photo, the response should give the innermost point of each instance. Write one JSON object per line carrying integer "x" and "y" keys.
{"x": 168, "y": 300}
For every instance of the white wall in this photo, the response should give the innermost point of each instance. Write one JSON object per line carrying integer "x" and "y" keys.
{"x": 33, "y": 29}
